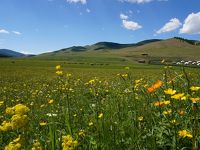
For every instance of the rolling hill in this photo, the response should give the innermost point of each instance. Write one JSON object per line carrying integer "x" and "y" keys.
{"x": 148, "y": 51}
{"x": 10, "y": 53}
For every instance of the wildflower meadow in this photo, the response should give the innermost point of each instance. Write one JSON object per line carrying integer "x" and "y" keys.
{"x": 120, "y": 112}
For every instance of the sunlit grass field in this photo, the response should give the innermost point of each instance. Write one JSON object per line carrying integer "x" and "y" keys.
{"x": 54, "y": 105}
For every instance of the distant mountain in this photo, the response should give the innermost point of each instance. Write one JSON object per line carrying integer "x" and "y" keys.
{"x": 10, "y": 53}
{"x": 102, "y": 46}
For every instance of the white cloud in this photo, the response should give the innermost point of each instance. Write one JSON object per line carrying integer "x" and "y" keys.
{"x": 4, "y": 31}
{"x": 173, "y": 24}
{"x": 136, "y": 1}
{"x": 88, "y": 10}
{"x": 141, "y": 1}
{"x": 77, "y": 1}
{"x": 17, "y": 32}
{"x": 131, "y": 25}
{"x": 191, "y": 24}
{"x": 123, "y": 17}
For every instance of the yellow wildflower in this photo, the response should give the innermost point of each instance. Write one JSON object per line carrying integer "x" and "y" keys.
{"x": 14, "y": 145}
{"x": 59, "y": 72}
{"x": 81, "y": 133}
{"x": 5, "y": 126}
{"x": 90, "y": 123}
{"x": 68, "y": 143}
{"x": 43, "y": 123}
{"x": 124, "y": 75}
{"x": 1, "y": 103}
{"x": 195, "y": 88}
{"x": 36, "y": 145}
{"x": 50, "y": 101}
{"x": 184, "y": 133}
{"x": 92, "y": 81}
{"x": 140, "y": 118}
{"x": 19, "y": 121}
{"x": 21, "y": 109}
{"x": 178, "y": 96}
{"x": 194, "y": 100}
{"x": 68, "y": 75}
{"x": 58, "y": 67}
{"x": 100, "y": 115}
{"x": 10, "y": 111}
{"x": 173, "y": 121}
{"x": 170, "y": 91}
{"x": 160, "y": 103}
{"x": 167, "y": 112}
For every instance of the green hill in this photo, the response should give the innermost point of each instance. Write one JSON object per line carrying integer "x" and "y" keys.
{"x": 148, "y": 51}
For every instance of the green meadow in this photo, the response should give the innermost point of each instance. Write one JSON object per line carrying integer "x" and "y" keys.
{"x": 61, "y": 104}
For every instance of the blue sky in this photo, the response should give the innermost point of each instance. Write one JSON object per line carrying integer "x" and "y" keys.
{"x": 37, "y": 26}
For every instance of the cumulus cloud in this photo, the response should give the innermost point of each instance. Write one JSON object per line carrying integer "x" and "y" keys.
{"x": 17, "y": 32}
{"x": 4, "y": 31}
{"x": 173, "y": 24}
{"x": 77, "y": 1}
{"x": 191, "y": 24}
{"x": 123, "y": 17}
{"x": 127, "y": 24}
{"x": 131, "y": 25}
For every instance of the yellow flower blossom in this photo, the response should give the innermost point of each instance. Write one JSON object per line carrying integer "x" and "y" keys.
{"x": 43, "y": 123}
{"x": 58, "y": 67}
{"x": 17, "y": 109}
{"x": 92, "y": 81}
{"x": 21, "y": 109}
{"x": 124, "y": 75}
{"x": 19, "y": 121}
{"x": 59, "y": 72}
{"x": 6, "y": 126}
{"x": 140, "y": 118}
{"x": 170, "y": 91}
{"x": 68, "y": 143}
{"x": 167, "y": 112}
{"x": 178, "y": 96}
{"x": 1, "y": 103}
{"x": 160, "y": 103}
{"x": 185, "y": 133}
{"x": 50, "y": 101}
{"x": 10, "y": 111}
{"x": 36, "y": 145}
{"x": 90, "y": 123}
{"x": 194, "y": 100}
{"x": 81, "y": 133}
{"x": 173, "y": 121}
{"x": 100, "y": 115}
{"x": 14, "y": 145}
{"x": 195, "y": 88}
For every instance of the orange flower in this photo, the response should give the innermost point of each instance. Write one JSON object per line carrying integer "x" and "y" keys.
{"x": 160, "y": 103}
{"x": 155, "y": 86}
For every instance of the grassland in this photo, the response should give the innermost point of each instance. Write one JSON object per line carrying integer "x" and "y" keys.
{"x": 98, "y": 104}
